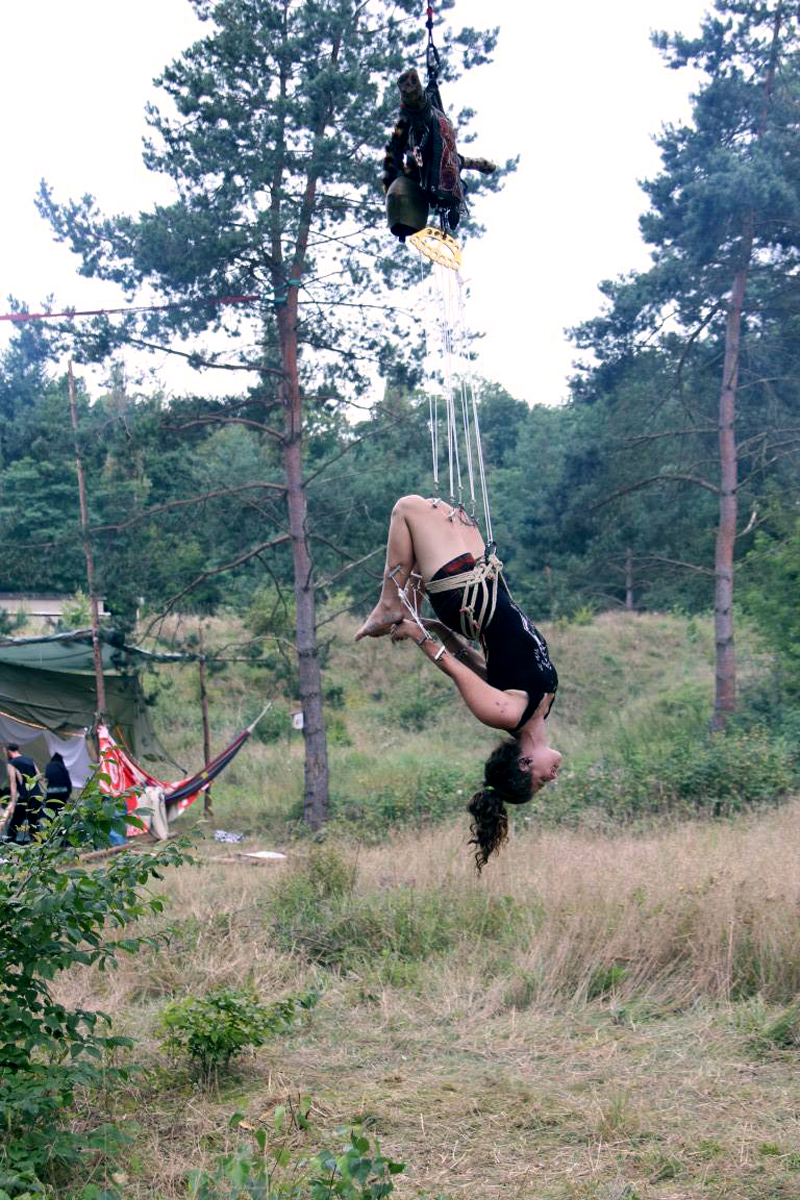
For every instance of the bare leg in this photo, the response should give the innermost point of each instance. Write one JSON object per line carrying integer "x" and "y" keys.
{"x": 419, "y": 533}
{"x": 400, "y": 561}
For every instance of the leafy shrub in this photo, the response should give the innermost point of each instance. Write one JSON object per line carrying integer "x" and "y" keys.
{"x": 771, "y": 597}
{"x": 783, "y": 1031}
{"x": 275, "y": 723}
{"x": 76, "y": 612}
{"x": 213, "y": 1029}
{"x": 683, "y": 774}
{"x": 358, "y": 1172}
{"x": 53, "y": 914}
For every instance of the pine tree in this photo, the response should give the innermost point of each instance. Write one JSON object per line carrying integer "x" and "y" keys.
{"x": 275, "y": 149}
{"x": 724, "y": 224}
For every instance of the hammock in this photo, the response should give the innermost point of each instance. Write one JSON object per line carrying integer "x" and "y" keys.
{"x": 121, "y": 776}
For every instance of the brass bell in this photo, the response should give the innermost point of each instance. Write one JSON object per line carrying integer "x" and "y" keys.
{"x": 406, "y": 207}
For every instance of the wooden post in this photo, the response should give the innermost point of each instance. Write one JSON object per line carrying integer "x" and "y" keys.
{"x": 207, "y": 802}
{"x": 87, "y": 551}
{"x": 629, "y": 602}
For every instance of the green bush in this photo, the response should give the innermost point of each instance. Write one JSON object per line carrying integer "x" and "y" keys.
{"x": 771, "y": 596}
{"x": 416, "y": 700}
{"x": 275, "y": 723}
{"x": 55, "y": 913}
{"x": 683, "y": 773}
{"x": 213, "y": 1029}
{"x": 359, "y": 1171}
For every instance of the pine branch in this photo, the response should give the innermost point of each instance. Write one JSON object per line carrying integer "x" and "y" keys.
{"x": 204, "y": 575}
{"x": 667, "y": 477}
{"x": 201, "y": 499}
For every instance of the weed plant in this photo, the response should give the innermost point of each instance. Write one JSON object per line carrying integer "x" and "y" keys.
{"x": 266, "y": 1170}
{"x": 215, "y": 1028}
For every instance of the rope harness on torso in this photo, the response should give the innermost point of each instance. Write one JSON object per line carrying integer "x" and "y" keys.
{"x": 479, "y": 600}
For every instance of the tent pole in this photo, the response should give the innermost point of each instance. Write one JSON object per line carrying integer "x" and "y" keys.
{"x": 87, "y": 551}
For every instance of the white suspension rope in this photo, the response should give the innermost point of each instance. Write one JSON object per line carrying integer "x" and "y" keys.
{"x": 450, "y": 358}
{"x": 445, "y": 330}
{"x": 470, "y": 383}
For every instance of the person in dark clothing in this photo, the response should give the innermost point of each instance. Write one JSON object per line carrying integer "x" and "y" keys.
{"x": 26, "y": 795}
{"x": 58, "y": 782}
{"x": 510, "y": 683}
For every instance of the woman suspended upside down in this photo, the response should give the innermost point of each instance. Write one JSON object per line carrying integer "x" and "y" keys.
{"x": 510, "y": 686}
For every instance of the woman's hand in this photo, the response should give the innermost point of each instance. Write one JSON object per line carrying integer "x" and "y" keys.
{"x": 404, "y": 629}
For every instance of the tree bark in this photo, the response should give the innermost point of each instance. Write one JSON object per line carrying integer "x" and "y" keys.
{"x": 315, "y": 793}
{"x": 286, "y": 288}
{"x": 725, "y": 693}
{"x": 97, "y": 649}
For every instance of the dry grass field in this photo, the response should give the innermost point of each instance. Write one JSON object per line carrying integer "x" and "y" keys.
{"x": 607, "y": 1013}
{"x": 593, "y": 1018}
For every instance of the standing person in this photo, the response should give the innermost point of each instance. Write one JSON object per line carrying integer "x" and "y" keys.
{"x": 26, "y": 795}
{"x": 510, "y": 686}
{"x": 58, "y": 783}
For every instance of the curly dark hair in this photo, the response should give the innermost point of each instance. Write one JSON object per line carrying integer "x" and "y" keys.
{"x": 504, "y": 783}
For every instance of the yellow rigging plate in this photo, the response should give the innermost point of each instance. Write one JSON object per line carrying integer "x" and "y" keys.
{"x": 437, "y": 246}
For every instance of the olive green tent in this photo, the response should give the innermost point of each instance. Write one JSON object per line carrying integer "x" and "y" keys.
{"x": 48, "y": 695}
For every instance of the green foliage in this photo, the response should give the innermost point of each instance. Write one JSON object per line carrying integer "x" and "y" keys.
{"x": 416, "y": 698}
{"x": 680, "y": 770}
{"x": 265, "y": 1171}
{"x": 605, "y": 981}
{"x": 783, "y": 1031}
{"x": 317, "y": 908}
{"x": 215, "y": 1028}
{"x": 55, "y": 913}
{"x": 275, "y": 723}
{"x": 770, "y": 598}
{"x": 76, "y": 613}
{"x": 415, "y": 792}
{"x": 272, "y": 613}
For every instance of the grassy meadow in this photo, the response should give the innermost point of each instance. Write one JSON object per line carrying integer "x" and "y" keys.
{"x": 609, "y": 1012}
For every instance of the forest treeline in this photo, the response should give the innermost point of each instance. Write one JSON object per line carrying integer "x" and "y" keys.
{"x": 595, "y": 504}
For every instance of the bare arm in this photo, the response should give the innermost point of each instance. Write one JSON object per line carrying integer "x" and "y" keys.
{"x": 490, "y": 705}
{"x": 12, "y": 782}
{"x": 459, "y": 647}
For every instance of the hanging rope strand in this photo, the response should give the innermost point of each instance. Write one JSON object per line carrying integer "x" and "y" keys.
{"x": 445, "y": 324}
{"x": 433, "y": 399}
{"x": 461, "y": 343}
{"x": 487, "y": 516}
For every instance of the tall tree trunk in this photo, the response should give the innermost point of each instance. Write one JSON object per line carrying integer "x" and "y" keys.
{"x": 94, "y": 606}
{"x": 725, "y": 694}
{"x": 315, "y": 794}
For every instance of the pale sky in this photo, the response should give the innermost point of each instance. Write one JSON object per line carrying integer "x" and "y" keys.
{"x": 575, "y": 89}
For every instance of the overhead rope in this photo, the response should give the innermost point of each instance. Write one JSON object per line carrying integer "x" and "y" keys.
{"x": 21, "y": 317}
{"x": 447, "y": 355}
{"x": 433, "y": 62}
{"x": 422, "y": 172}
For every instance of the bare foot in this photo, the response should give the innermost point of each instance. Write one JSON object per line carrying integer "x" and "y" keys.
{"x": 379, "y": 622}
